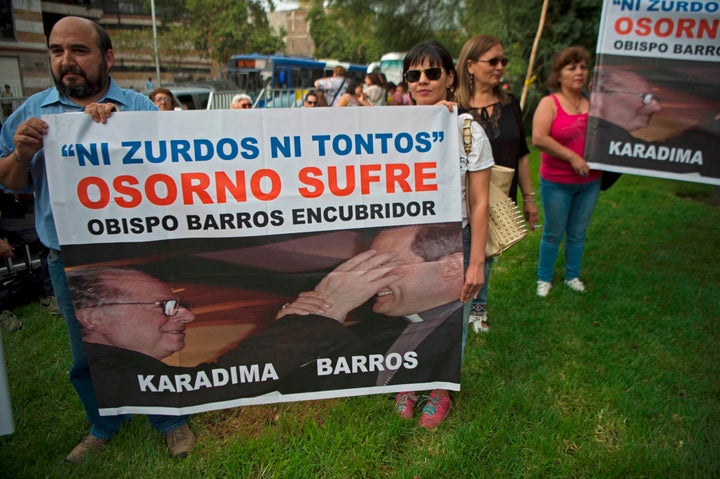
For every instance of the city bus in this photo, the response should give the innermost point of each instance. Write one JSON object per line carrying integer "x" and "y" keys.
{"x": 355, "y": 71}
{"x": 280, "y": 81}
{"x": 391, "y": 64}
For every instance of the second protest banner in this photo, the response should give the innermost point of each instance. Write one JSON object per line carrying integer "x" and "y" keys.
{"x": 655, "y": 107}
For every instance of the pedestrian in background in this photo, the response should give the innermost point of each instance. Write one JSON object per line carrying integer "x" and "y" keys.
{"x": 241, "y": 101}
{"x": 333, "y": 87}
{"x": 163, "y": 99}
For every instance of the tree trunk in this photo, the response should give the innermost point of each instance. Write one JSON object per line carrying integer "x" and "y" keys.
{"x": 531, "y": 63}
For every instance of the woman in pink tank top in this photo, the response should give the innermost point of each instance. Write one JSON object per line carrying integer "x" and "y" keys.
{"x": 569, "y": 189}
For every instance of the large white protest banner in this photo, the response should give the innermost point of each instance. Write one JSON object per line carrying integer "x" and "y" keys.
{"x": 655, "y": 108}
{"x": 238, "y": 212}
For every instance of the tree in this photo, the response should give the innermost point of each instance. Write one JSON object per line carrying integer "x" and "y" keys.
{"x": 568, "y": 22}
{"x": 342, "y": 33}
{"x": 362, "y": 30}
{"x": 220, "y": 29}
{"x": 173, "y": 45}
{"x": 329, "y": 37}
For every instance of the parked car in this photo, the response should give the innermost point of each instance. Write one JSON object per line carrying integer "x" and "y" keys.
{"x": 201, "y": 97}
{"x": 191, "y": 97}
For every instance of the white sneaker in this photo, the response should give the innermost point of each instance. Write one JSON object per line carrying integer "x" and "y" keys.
{"x": 478, "y": 321}
{"x": 576, "y": 285}
{"x": 543, "y": 288}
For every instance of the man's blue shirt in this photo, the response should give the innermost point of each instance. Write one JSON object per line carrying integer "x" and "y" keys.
{"x": 50, "y": 102}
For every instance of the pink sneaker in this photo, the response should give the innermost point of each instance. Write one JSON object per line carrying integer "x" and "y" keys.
{"x": 435, "y": 410}
{"x": 405, "y": 403}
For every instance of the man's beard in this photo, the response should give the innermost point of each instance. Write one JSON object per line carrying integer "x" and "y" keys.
{"x": 85, "y": 89}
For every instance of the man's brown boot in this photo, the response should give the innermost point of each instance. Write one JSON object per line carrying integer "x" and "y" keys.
{"x": 180, "y": 441}
{"x": 90, "y": 443}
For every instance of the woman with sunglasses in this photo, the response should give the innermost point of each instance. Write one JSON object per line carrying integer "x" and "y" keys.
{"x": 481, "y": 66}
{"x": 568, "y": 187}
{"x": 429, "y": 71}
{"x": 241, "y": 101}
{"x": 163, "y": 99}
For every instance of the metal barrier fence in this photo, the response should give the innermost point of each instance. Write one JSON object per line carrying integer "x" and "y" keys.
{"x": 281, "y": 98}
{"x": 219, "y": 100}
{"x": 267, "y": 98}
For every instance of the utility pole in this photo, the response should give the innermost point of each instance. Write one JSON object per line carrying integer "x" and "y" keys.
{"x": 155, "y": 43}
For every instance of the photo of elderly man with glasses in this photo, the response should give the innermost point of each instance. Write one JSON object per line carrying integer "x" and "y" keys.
{"x": 129, "y": 309}
{"x": 131, "y": 322}
{"x": 623, "y": 129}
{"x": 625, "y": 99}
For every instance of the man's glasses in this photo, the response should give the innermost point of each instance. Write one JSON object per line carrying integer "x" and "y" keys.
{"x": 170, "y": 307}
{"x": 495, "y": 60}
{"x": 162, "y": 99}
{"x": 245, "y": 105}
{"x": 432, "y": 73}
{"x": 647, "y": 98}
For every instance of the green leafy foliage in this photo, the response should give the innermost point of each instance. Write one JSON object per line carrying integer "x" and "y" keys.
{"x": 173, "y": 44}
{"x": 362, "y": 30}
{"x": 220, "y": 29}
{"x": 568, "y": 22}
{"x": 214, "y": 29}
{"x": 342, "y": 32}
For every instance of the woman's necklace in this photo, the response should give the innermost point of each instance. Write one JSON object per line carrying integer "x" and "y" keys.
{"x": 484, "y": 104}
{"x": 576, "y": 106}
{"x": 484, "y": 116}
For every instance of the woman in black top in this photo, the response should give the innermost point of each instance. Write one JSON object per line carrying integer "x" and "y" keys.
{"x": 480, "y": 68}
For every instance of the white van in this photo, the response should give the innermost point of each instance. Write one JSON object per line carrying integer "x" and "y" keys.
{"x": 191, "y": 97}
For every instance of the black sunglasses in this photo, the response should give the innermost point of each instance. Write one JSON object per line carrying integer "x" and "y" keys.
{"x": 495, "y": 60}
{"x": 433, "y": 73}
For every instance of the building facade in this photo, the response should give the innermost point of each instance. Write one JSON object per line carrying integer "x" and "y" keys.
{"x": 25, "y": 25}
{"x": 298, "y": 42}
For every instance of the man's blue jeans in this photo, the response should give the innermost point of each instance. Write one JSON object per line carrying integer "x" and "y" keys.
{"x": 567, "y": 209}
{"x": 103, "y": 427}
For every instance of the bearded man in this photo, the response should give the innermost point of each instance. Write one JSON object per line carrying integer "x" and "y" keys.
{"x": 81, "y": 57}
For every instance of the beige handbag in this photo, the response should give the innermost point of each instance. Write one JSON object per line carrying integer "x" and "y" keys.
{"x": 506, "y": 223}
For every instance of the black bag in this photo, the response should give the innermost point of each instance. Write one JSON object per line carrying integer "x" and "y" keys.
{"x": 20, "y": 282}
{"x": 20, "y": 288}
{"x": 608, "y": 179}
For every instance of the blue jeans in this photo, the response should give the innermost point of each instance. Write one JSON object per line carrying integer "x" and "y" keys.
{"x": 466, "y": 307}
{"x": 567, "y": 209}
{"x": 482, "y": 295}
{"x": 103, "y": 427}
{"x": 481, "y": 301}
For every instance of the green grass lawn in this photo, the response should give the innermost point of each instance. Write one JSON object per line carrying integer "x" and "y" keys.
{"x": 622, "y": 382}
